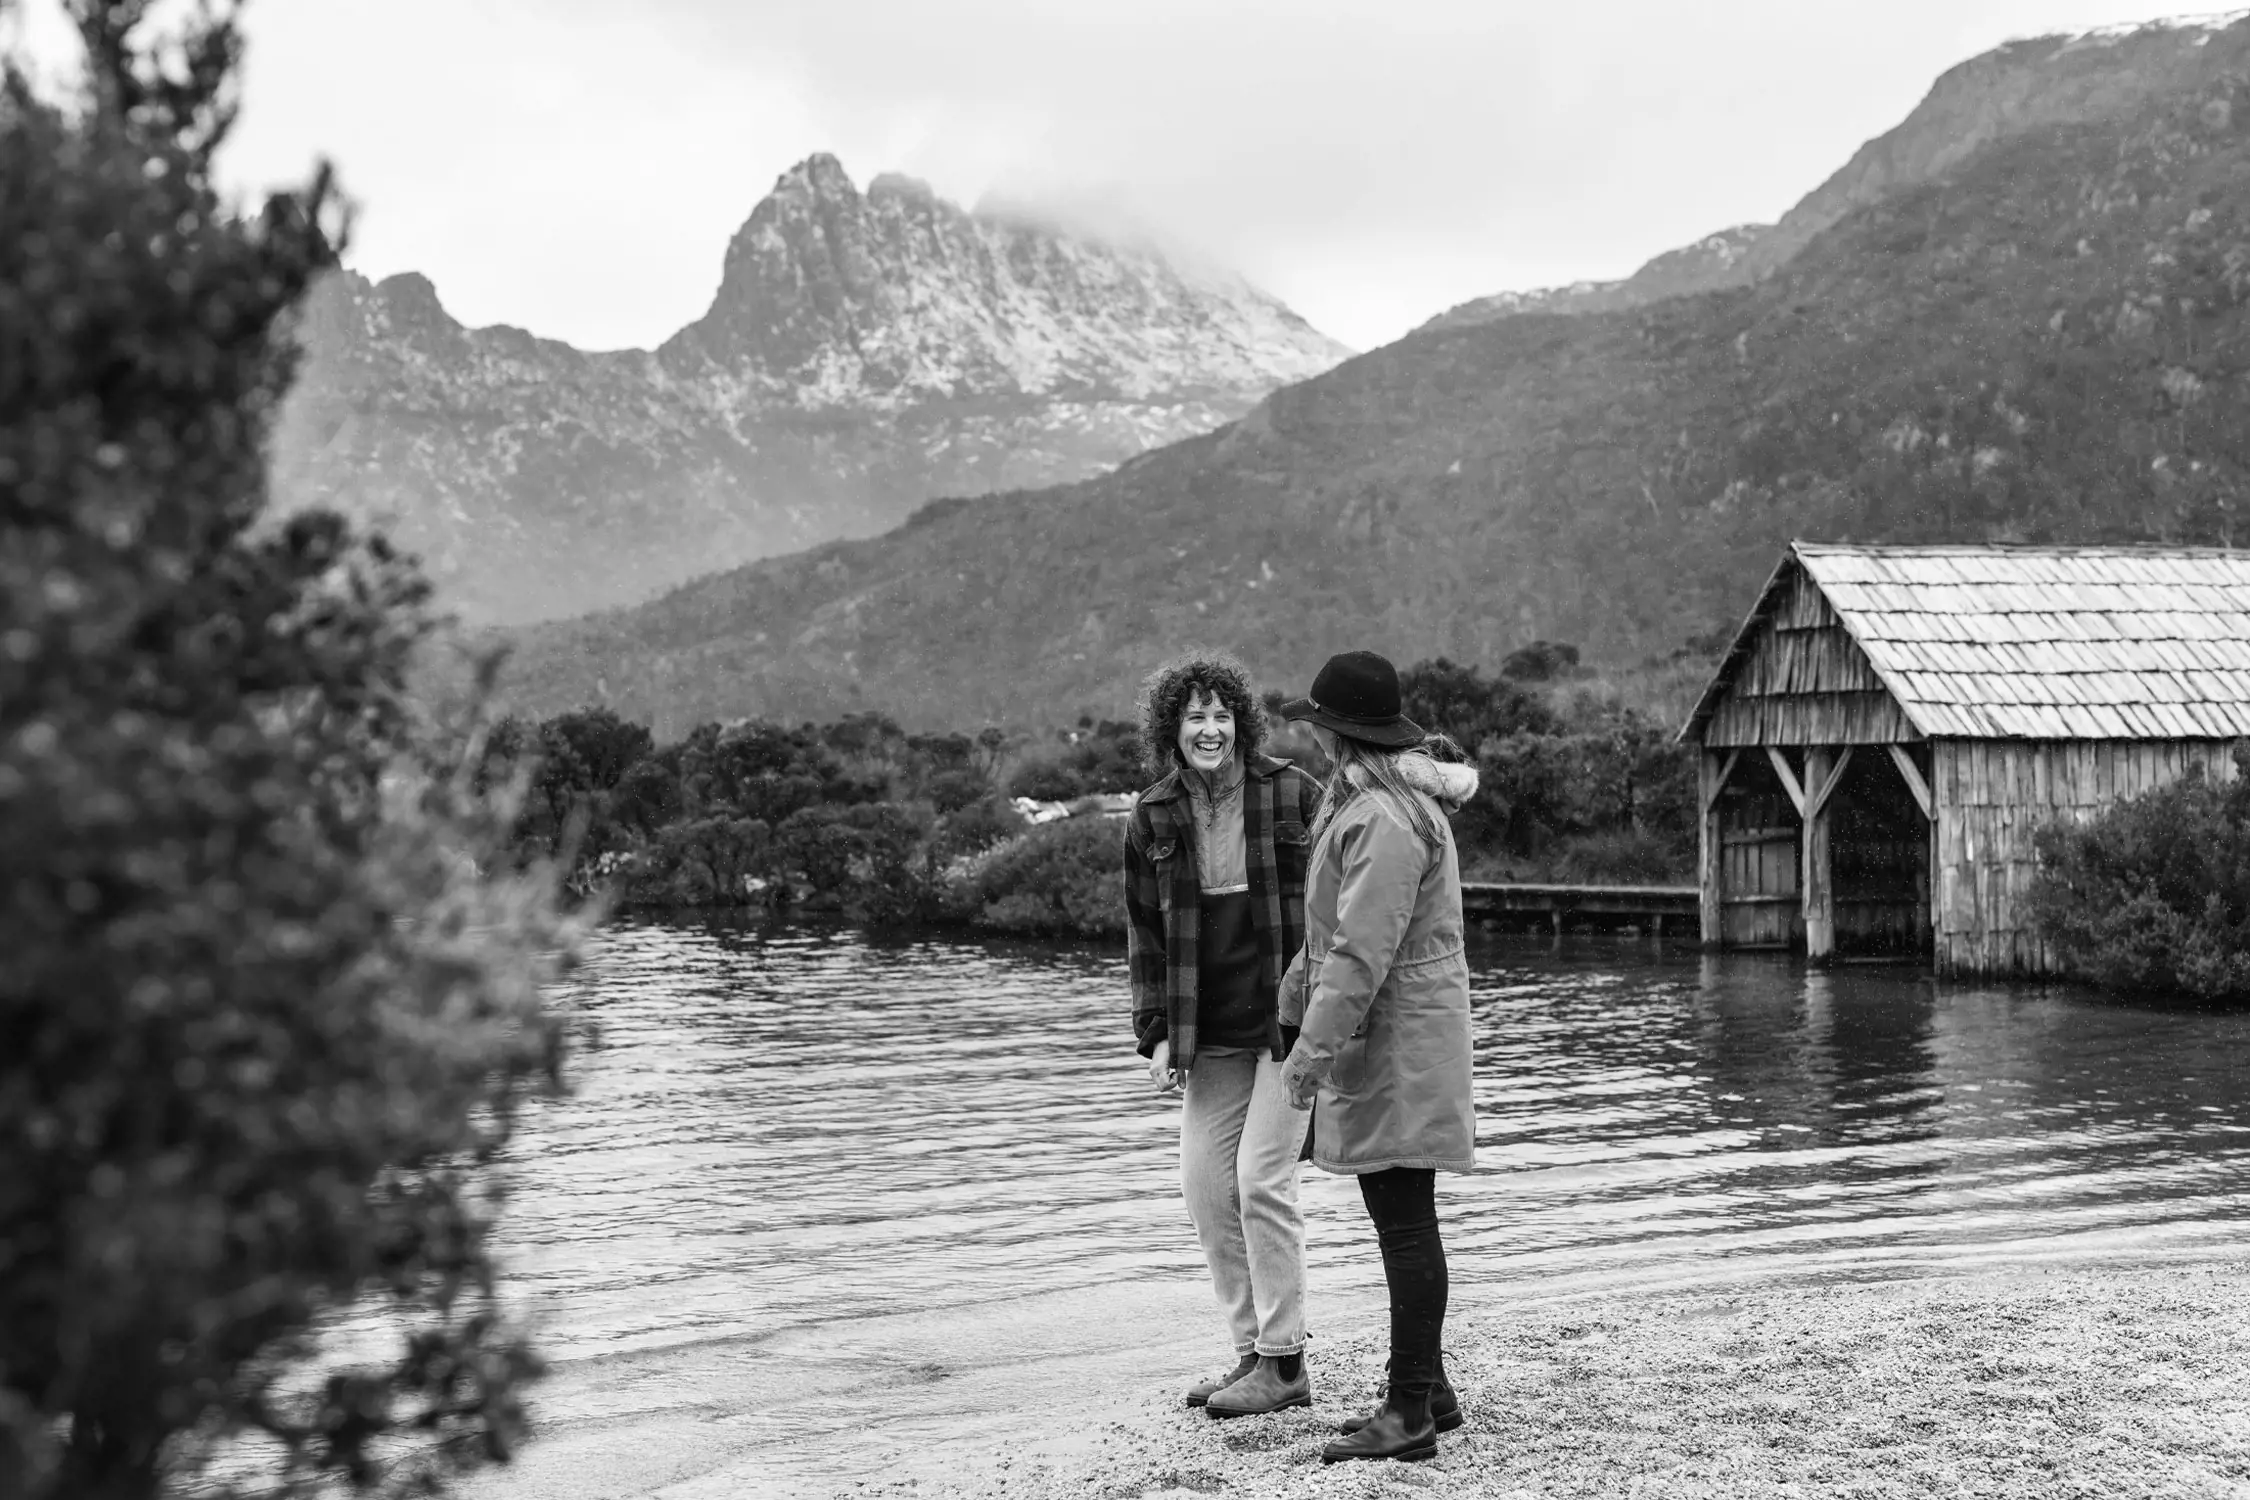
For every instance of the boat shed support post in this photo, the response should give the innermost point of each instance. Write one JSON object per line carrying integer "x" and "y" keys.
{"x": 1707, "y": 847}
{"x": 1822, "y": 770}
{"x": 1711, "y": 779}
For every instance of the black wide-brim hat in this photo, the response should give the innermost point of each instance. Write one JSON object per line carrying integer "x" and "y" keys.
{"x": 1356, "y": 695}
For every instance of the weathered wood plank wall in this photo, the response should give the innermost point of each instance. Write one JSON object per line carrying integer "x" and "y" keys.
{"x": 1806, "y": 682}
{"x": 1992, "y": 798}
{"x": 1753, "y": 899}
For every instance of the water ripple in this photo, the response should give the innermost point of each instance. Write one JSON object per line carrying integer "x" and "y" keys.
{"x": 778, "y": 1126}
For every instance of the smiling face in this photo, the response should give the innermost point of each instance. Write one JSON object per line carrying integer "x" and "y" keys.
{"x": 1206, "y": 733}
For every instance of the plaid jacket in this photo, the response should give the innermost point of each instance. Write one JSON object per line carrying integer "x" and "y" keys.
{"x": 1161, "y": 891}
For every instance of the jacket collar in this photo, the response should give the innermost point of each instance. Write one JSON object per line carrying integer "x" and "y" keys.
{"x": 1260, "y": 765}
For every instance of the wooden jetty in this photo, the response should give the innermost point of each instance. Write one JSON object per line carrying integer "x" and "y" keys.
{"x": 1649, "y": 907}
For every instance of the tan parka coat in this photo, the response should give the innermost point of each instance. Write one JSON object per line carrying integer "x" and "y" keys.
{"x": 1380, "y": 992}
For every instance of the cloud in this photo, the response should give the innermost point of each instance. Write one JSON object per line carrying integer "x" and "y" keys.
{"x": 577, "y": 167}
{"x": 1370, "y": 160}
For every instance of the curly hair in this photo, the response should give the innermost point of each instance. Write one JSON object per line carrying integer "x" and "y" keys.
{"x": 1167, "y": 691}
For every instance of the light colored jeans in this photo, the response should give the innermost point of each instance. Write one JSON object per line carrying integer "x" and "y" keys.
{"x": 1239, "y": 1143}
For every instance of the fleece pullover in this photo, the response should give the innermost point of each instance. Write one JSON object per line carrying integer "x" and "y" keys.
{"x": 1232, "y": 1012}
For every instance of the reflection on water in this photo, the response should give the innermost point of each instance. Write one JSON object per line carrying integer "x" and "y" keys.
{"x": 777, "y": 1126}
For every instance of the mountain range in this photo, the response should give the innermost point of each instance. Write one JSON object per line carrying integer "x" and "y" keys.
{"x": 2019, "y": 315}
{"x": 2021, "y": 87}
{"x": 863, "y": 353}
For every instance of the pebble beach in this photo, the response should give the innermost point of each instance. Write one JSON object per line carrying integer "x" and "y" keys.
{"x": 2035, "y": 1382}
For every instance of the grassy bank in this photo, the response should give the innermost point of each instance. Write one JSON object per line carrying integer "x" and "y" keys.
{"x": 2074, "y": 1382}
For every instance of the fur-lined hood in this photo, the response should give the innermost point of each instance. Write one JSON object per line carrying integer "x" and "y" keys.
{"x": 1449, "y": 785}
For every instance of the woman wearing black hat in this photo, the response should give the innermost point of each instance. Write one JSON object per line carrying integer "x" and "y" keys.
{"x": 1381, "y": 996}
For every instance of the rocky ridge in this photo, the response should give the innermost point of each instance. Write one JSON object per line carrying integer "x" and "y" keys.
{"x": 1709, "y": 263}
{"x": 863, "y": 353}
{"x": 2077, "y": 78}
{"x": 2048, "y": 341}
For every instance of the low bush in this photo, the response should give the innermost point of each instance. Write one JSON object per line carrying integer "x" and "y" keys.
{"x": 869, "y": 861}
{"x": 1620, "y": 777}
{"x": 1541, "y": 661}
{"x": 2155, "y": 893}
{"x": 1617, "y": 856}
{"x": 716, "y": 861}
{"x": 1044, "y": 780}
{"x": 953, "y": 791}
{"x": 976, "y": 828}
{"x": 647, "y": 798}
{"x": 1064, "y": 877}
{"x": 1106, "y": 756}
{"x": 1465, "y": 704}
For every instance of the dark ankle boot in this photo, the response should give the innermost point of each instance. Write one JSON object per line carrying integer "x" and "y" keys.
{"x": 1445, "y": 1406}
{"x": 1400, "y": 1429}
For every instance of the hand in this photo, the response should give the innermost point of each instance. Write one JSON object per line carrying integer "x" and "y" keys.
{"x": 1161, "y": 1074}
{"x": 1296, "y": 1083}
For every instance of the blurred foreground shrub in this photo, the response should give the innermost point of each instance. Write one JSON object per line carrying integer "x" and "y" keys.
{"x": 2155, "y": 893}
{"x": 261, "y": 1019}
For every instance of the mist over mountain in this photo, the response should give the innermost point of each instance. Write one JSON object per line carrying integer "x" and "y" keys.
{"x": 864, "y": 352}
{"x": 2018, "y": 316}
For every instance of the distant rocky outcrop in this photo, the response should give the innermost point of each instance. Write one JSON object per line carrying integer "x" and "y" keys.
{"x": 2088, "y": 78}
{"x": 2044, "y": 337}
{"x": 864, "y": 353}
{"x": 1716, "y": 260}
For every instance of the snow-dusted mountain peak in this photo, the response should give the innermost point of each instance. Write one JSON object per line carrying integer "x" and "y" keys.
{"x": 866, "y": 352}
{"x": 2194, "y": 29}
{"x": 833, "y": 297}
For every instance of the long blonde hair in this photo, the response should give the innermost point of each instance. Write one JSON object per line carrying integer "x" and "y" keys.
{"x": 1361, "y": 767}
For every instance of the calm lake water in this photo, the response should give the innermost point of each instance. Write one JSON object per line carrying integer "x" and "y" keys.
{"x": 776, "y": 1127}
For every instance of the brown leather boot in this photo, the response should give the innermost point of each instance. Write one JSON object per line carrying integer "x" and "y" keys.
{"x": 1263, "y": 1389}
{"x": 1201, "y": 1391}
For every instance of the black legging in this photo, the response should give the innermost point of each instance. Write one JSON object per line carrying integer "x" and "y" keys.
{"x": 1403, "y": 1203}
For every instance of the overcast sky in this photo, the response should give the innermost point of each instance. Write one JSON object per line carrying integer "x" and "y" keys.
{"x": 576, "y": 167}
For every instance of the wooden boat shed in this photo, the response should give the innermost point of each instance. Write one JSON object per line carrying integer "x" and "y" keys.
{"x": 1892, "y": 725}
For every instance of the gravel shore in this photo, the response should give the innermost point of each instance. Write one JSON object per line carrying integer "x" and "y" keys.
{"x": 2072, "y": 1381}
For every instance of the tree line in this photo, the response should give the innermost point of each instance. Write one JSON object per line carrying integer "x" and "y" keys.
{"x": 864, "y": 818}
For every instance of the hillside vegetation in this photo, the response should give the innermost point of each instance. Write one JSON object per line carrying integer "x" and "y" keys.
{"x": 2046, "y": 343}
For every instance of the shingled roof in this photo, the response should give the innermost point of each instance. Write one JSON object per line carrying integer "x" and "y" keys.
{"x": 2051, "y": 643}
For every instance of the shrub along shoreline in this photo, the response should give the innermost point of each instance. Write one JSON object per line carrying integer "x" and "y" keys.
{"x": 2153, "y": 895}
{"x": 862, "y": 818}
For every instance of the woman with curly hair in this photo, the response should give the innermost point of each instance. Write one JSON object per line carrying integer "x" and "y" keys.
{"x": 1214, "y": 899}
